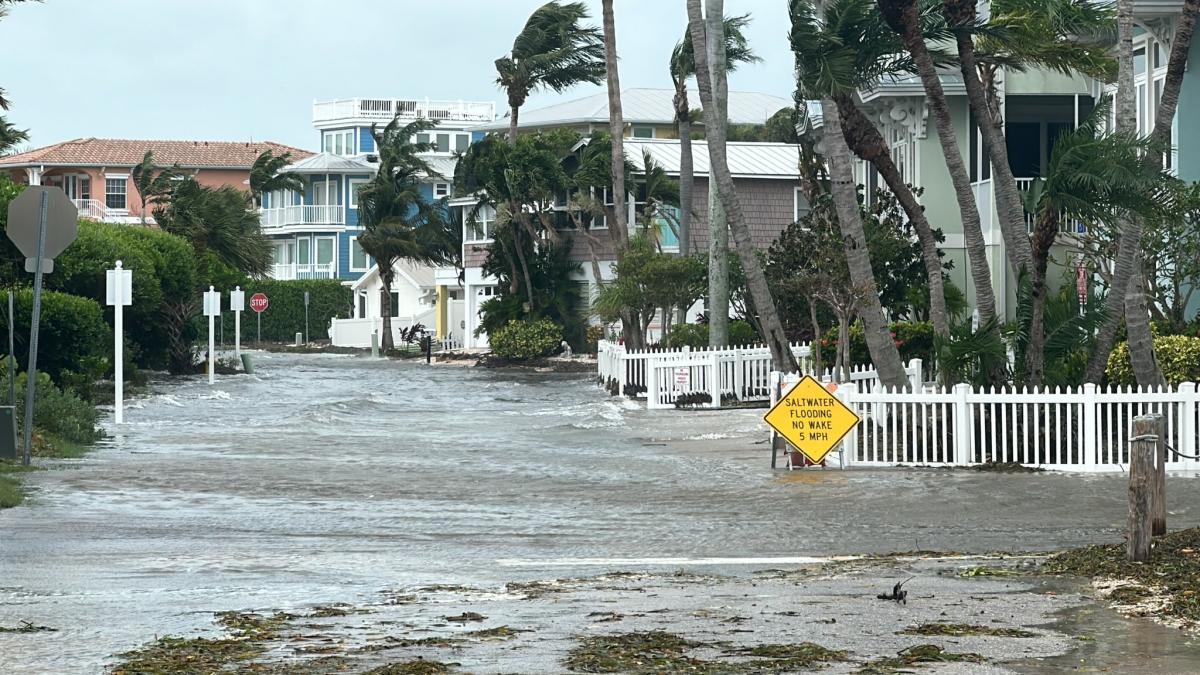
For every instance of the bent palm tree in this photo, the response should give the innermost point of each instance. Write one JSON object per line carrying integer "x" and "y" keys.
{"x": 153, "y": 185}
{"x": 756, "y": 280}
{"x": 267, "y": 175}
{"x": 552, "y": 51}
{"x": 851, "y": 51}
{"x": 10, "y": 136}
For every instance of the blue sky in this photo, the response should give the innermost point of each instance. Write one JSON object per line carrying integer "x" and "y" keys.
{"x": 242, "y": 69}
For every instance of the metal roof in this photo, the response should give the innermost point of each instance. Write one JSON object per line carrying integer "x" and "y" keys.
{"x": 746, "y": 160}
{"x": 641, "y": 106}
{"x": 330, "y": 163}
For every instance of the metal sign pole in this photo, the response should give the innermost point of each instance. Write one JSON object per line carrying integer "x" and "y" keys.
{"x": 31, "y": 371}
{"x": 237, "y": 303}
{"x": 305, "y": 317}
{"x": 12, "y": 360}
{"x": 258, "y": 341}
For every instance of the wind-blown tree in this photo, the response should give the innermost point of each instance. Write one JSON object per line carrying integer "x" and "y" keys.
{"x": 553, "y": 51}
{"x": 11, "y": 136}
{"x": 905, "y": 18}
{"x": 1128, "y": 259}
{"x": 398, "y": 222}
{"x": 656, "y": 190}
{"x": 1091, "y": 177}
{"x": 217, "y": 222}
{"x": 718, "y": 225}
{"x": 851, "y": 50}
{"x": 267, "y": 175}
{"x": 683, "y": 68}
{"x": 154, "y": 185}
{"x": 756, "y": 281}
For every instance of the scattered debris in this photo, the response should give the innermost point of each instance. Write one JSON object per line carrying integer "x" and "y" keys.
{"x": 898, "y": 594}
{"x": 27, "y": 627}
{"x": 418, "y": 667}
{"x": 964, "y": 629}
{"x": 912, "y": 656}
{"x": 497, "y": 633}
{"x": 605, "y": 617}
{"x": 465, "y": 617}
{"x": 1006, "y": 467}
{"x": 662, "y": 652}
{"x": 986, "y": 571}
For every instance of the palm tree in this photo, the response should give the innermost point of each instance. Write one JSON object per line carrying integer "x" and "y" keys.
{"x": 1092, "y": 178}
{"x": 756, "y": 281}
{"x": 398, "y": 223}
{"x": 1126, "y": 267}
{"x": 267, "y": 175}
{"x": 904, "y": 17}
{"x": 683, "y": 67}
{"x": 217, "y": 222}
{"x": 853, "y": 50}
{"x": 153, "y": 185}
{"x": 552, "y": 51}
{"x": 10, "y": 136}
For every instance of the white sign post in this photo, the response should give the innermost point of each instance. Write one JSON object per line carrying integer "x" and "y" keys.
{"x": 119, "y": 294}
{"x": 212, "y": 307}
{"x": 237, "y": 303}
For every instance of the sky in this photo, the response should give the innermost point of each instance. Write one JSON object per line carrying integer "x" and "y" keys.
{"x": 250, "y": 69}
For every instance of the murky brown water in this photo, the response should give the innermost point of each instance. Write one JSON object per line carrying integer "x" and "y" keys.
{"x": 326, "y": 479}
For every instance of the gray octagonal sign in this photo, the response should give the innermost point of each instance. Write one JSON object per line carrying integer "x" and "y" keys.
{"x": 62, "y": 221}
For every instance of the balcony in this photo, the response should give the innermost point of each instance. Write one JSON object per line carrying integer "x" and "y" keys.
{"x": 330, "y": 214}
{"x": 293, "y": 271}
{"x": 384, "y": 109}
{"x": 94, "y": 209}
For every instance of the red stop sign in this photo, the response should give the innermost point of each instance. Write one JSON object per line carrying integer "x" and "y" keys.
{"x": 258, "y": 302}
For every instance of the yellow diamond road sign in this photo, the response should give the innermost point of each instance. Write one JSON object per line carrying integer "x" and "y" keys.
{"x": 812, "y": 419}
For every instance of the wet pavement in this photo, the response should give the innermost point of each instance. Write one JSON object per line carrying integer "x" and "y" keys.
{"x": 326, "y": 479}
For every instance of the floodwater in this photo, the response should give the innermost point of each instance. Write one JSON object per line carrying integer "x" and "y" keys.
{"x": 328, "y": 478}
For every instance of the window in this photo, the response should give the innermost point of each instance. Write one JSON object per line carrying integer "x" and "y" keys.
{"x": 339, "y": 142}
{"x": 356, "y": 185}
{"x": 443, "y": 142}
{"x": 479, "y": 230}
{"x": 462, "y": 142}
{"x": 801, "y": 205}
{"x": 114, "y": 192}
{"x": 441, "y": 190}
{"x": 362, "y": 306}
{"x": 395, "y": 304}
{"x": 643, "y": 132}
{"x": 327, "y": 193}
{"x": 422, "y": 138}
{"x": 85, "y": 188}
{"x": 359, "y": 261}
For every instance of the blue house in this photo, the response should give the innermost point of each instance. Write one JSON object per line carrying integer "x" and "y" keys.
{"x": 315, "y": 232}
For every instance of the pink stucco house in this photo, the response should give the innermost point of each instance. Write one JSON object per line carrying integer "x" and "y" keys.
{"x": 95, "y": 172}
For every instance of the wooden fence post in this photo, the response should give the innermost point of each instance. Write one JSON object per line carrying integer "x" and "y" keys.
{"x": 1142, "y": 447}
{"x": 1158, "y": 520}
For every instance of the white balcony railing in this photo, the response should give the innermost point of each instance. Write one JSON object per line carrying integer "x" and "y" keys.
{"x": 1064, "y": 226}
{"x": 95, "y": 209}
{"x": 333, "y": 214}
{"x": 293, "y": 271}
{"x": 387, "y": 108}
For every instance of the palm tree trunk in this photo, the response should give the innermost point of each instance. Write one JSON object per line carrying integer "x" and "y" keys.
{"x": 756, "y": 281}
{"x": 385, "y": 312}
{"x": 1115, "y": 305}
{"x": 529, "y": 289}
{"x": 512, "y": 124}
{"x": 1035, "y": 348}
{"x": 718, "y": 227}
{"x": 865, "y": 140}
{"x": 683, "y": 122}
{"x": 991, "y": 128}
{"x": 884, "y": 354}
{"x": 903, "y": 18}
{"x": 816, "y": 341}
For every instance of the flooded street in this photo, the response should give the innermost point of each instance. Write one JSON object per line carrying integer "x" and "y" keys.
{"x": 326, "y": 479}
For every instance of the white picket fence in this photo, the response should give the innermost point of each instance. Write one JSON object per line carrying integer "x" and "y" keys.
{"x": 1075, "y": 429}
{"x": 706, "y": 377}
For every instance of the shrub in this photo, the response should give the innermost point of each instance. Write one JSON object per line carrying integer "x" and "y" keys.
{"x": 695, "y": 335}
{"x": 55, "y": 410}
{"x": 72, "y": 335}
{"x": 1178, "y": 356}
{"x": 523, "y": 340}
{"x": 914, "y": 339}
{"x": 284, "y": 317}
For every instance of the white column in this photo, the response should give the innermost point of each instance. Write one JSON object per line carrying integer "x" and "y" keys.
{"x": 119, "y": 293}
{"x": 212, "y": 307}
{"x": 237, "y": 303}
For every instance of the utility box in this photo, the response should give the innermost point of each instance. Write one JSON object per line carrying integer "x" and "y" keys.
{"x": 8, "y": 432}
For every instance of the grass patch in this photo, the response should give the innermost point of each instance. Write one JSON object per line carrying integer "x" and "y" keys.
{"x": 965, "y": 629}
{"x": 1174, "y": 567}
{"x": 418, "y": 667}
{"x": 11, "y": 492}
{"x": 915, "y": 656}
{"x": 661, "y": 652}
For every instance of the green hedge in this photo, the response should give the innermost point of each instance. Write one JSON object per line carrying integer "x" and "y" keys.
{"x": 164, "y": 277}
{"x": 284, "y": 317}
{"x": 1178, "y": 356}
{"x": 72, "y": 335}
{"x": 523, "y": 340}
{"x": 695, "y": 335}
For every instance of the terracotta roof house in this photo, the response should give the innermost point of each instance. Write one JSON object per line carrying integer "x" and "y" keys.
{"x": 95, "y": 172}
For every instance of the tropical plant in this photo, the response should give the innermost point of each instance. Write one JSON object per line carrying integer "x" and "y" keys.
{"x": 683, "y": 68}
{"x": 851, "y": 50}
{"x": 398, "y": 222}
{"x": 524, "y": 340}
{"x": 649, "y": 282}
{"x": 267, "y": 175}
{"x": 10, "y": 136}
{"x": 154, "y": 185}
{"x": 553, "y": 51}
{"x": 1068, "y": 328}
{"x": 551, "y": 271}
{"x": 216, "y": 220}
{"x": 756, "y": 281}
{"x": 1178, "y": 354}
{"x": 972, "y": 356}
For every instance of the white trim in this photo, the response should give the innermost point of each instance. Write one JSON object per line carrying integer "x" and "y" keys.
{"x": 796, "y": 197}
{"x": 352, "y": 194}
{"x": 350, "y": 263}
{"x": 116, "y": 176}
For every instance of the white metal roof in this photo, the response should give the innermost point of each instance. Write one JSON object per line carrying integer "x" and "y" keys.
{"x": 330, "y": 163}
{"x": 641, "y": 106}
{"x": 417, "y": 275}
{"x": 746, "y": 160}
